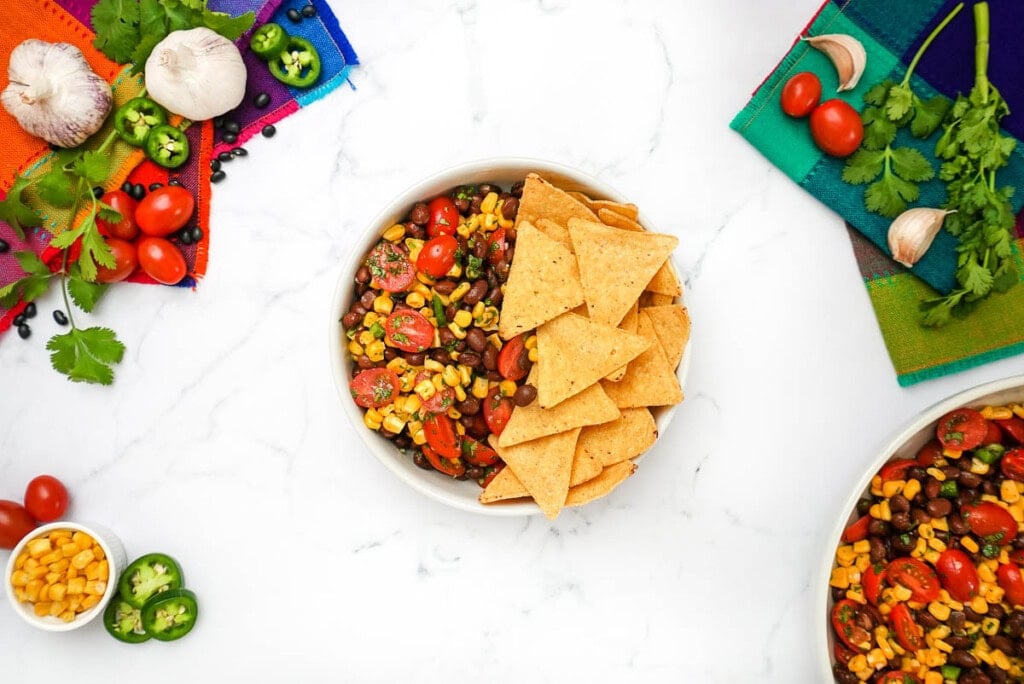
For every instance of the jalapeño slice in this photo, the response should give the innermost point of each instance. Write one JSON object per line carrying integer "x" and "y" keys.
{"x": 148, "y": 576}
{"x": 124, "y": 622}
{"x": 167, "y": 146}
{"x": 170, "y": 615}
{"x": 136, "y": 118}
{"x": 268, "y": 41}
{"x": 298, "y": 65}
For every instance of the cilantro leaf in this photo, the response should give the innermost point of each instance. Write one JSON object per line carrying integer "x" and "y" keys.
{"x": 911, "y": 165}
{"x": 898, "y": 102}
{"x": 56, "y": 187}
{"x": 975, "y": 278}
{"x": 94, "y": 249}
{"x": 226, "y": 25}
{"x": 877, "y": 94}
{"x": 928, "y": 115}
{"x": 29, "y": 287}
{"x": 116, "y": 23}
{"x": 86, "y": 355}
{"x": 30, "y": 263}
{"x": 879, "y": 131}
{"x": 13, "y": 210}
{"x": 85, "y": 294}
{"x": 890, "y": 195}
{"x": 864, "y": 166}
{"x": 92, "y": 166}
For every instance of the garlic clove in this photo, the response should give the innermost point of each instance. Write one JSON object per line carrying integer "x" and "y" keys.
{"x": 912, "y": 233}
{"x": 847, "y": 55}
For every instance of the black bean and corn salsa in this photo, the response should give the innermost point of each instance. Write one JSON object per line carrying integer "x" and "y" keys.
{"x": 428, "y": 366}
{"x": 927, "y": 584}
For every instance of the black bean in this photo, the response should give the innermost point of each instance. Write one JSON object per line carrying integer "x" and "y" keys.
{"x": 215, "y": 164}
{"x": 239, "y": 152}
{"x": 927, "y": 620}
{"x": 261, "y": 101}
{"x": 969, "y": 479}
{"x": 414, "y": 230}
{"x": 60, "y": 317}
{"x": 510, "y": 208}
{"x": 476, "y": 339}
{"x": 294, "y": 15}
{"x": 364, "y": 361}
{"x": 229, "y": 138}
{"x": 174, "y": 181}
{"x": 476, "y": 292}
{"x": 420, "y": 460}
{"x": 126, "y": 187}
{"x": 367, "y": 299}
{"x": 445, "y": 287}
{"x": 138, "y": 191}
{"x": 30, "y": 310}
{"x": 878, "y": 552}
{"x": 97, "y": 192}
{"x": 218, "y": 121}
{"x": 956, "y": 621}
{"x": 351, "y": 320}
{"x": 962, "y": 658}
{"x": 932, "y": 488}
{"x": 4, "y": 246}
{"x": 842, "y": 675}
{"x": 469, "y": 407}
{"x": 470, "y": 358}
{"x": 1014, "y": 625}
{"x": 899, "y": 503}
{"x": 225, "y": 156}
{"x": 524, "y": 395}
{"x": 185, "y": 236}
{"x": 440, "y": 355}
{"x": 939, "y": 508}
{"x": 232, "y": 126}
{"x": 363, "y": 274}
{"x": 462, "y": 204}
{"x": 958, "y": 641}
{"x": 901, "y": 521}
{"x": 309, "y": 11}
{"x": 268, "y": 131}
{"x": 18, "y": 320}
{"x": 415, "y": 358}
{"x": 218, "y": 176}
{"x": 24, "y": 331}
{"x": 878, "y": 527}
{"x": 420, "y": 214}
{"x": 919, "y": 516}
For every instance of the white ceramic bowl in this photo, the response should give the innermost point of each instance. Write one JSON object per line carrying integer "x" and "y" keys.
{"x": 505, "y": 171}
{"x": 114, "y": 551}
{"x": 904, "y": 444}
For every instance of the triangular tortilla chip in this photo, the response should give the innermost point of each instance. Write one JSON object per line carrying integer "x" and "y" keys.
{"x": 665, "y": 281}
{"x": 575, "y": 352}
{"x": 618, "y": 220}
{"x": 624, "y": 438}
{"x": 505, "y": 485}
{"x": 628, "y": 323}
{"x": 542, "y": 199}
{"x": 590, "y": 407}
{"x": 544, "y": 466}
{"x": 626, "y": 210}
{"x": 602, "y": 485}
{"x": 648, "y": 299}
{"x": 615, "y": 265}
{"x": 672, "y": 326}
{"x": 555, "y": 231}
{"x": 542, "y": 283}
{"x": 650, "y": 380}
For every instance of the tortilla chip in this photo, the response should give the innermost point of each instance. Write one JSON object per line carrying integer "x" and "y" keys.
{"x": 624, "y": 438}
{"x": 555, "y": 231}
{"x": 617, "y": 220}
{"x": 505, "y": 485}
{"x": 650, "y": 380}
{"x": 629, "y": 324}
{"x": 627, "y": 210}
{"x": 543, "y": 283}
{"x": 665, "y": 281}
{"x": 544, "y": 467}
{"x": 672, "y": 326}
{"x": 615, "y": 265}
{"x": 648, "y": 299}
{"x": 575, "y": 352}
{"x": 602, "y": 485}
{"x": 542, "y": 199}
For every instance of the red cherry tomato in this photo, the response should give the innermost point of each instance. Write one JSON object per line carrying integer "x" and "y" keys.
{"x": 856, "y": 530}
{"x": 873, "y": 580}
{"x": 1013, "y": 427}
{"x": 908, "y": 632}
{"x": 801, "y": 94}
{"x": 15, "y": 523}
{"x": 993, "y": 436}
{"x": 836, "y": 128}
{"x": 844, "y": 622}
{"x": 164, "y": 210}
{"x": 1012, "y": 464}
{"x": 408, "y": 330}
{"x": 958, "y": 575}
{"x": 444, "y": 217}
{"x": 438, "y": 255}
{"x": 390, "y": 268}
{"x": 126, "y": 261}
{"x": 913, "y": 574}
{"x": 375, "y": 387}
{"x": 490, "y": 472}
{"x": 440, "y": 434}
{"x": 497, "y": 246}
{"x": 46, "y": 498}
{"x": 513, "y": 359}
{"x": 897, "y": 677}
{"x": 477, "y": 453}
{"x": 448, "y": 466}
{"x": 962, "y": 429}
{"x": 124, "y": 204}
{"x": 896, "y": 469}
{"x": 929, "y": 454}
{"x": 161, "y": 260}
{"x": 1011, "y": 580}
{"x": 990, "y": 521}
{"x": 497, "y": 410}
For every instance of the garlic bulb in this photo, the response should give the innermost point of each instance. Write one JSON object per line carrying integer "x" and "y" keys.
{"x": 912, "y": 233}
{"x": 54, "y": 94}
{"x": 847, "y": 55}
{"x": 196, "y": 73}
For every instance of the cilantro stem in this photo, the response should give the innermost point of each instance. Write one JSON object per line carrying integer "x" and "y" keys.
{"x": 935, "y": 34}
{"x": 981, "y": 49}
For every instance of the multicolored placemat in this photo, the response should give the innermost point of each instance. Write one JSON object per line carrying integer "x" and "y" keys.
{"x": 891, "y": 33}
{"x": 69, "y": 21}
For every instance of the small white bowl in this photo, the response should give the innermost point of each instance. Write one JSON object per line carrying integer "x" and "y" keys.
{"x": 504, "y": 171}
{"x": 116, "y": 559}
{"x": 905, "y": 444}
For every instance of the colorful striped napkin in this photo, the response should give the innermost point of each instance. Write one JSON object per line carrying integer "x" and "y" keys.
{"x": 891, "y": 34}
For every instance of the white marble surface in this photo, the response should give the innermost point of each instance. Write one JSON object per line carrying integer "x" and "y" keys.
{"x": 222, "y": 442}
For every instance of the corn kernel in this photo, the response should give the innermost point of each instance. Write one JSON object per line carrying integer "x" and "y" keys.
{"x": 891, "y": 488}
{"x": 393, "y": 424}
{"x": 1008, "y": 491}
{"x": 37, "y": 548}
{"x": 463, "y": 318}
{"x": 989, "y": 626}
{"x": 459, "y": 292}
{"x": 856, "y": 595}
{"x": 489, "y": 202}
{"x": 952, "y": 453}
{"x": 969, "y": 544}
{"x": 933, "y": 678}
{"x": 940, "y": 610}
{"x": 979, "y": 605}
{"x": 1000, "y": 660}
{"x": 937, "y": 474}
{"x": 465, "y": 230}
{"x": 460, "y": 393}
{"x": 533, "y": 355}
{"x": 979, "y": 467}
{"x": 901, "y": 593}
{"x": 383, "y": 304}
{"x": 415, "y": 300}
{"x": 507, "y": 388}
{"x": 504, "y": 222}
{"x": 862, "y": 563}
{"x": 372, "y": 422}
{"x": 425, "y": 389}
{"x": 996, "y": 412}
{"x": 845, "y": 555}
{"x": 457, "y": 331}
{"x": 857, "y": 662}
{"x": 942, "y": 646}
{"x": 354, "y": 348}
{"x": 937, "y": 544}
{"x": 451, "y": 376}
{"x": 840, "y": 578}
{"x": 480, "y": 388}
{"x": 530, "y": 342}
{"x": 912, "y": 488}
{"x": 375, "y": 350}
{"x": 992, "y": 593}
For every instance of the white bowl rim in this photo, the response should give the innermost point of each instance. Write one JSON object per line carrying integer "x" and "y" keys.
{"x": 449, "y": 177}
{"x": 971, "y": 396}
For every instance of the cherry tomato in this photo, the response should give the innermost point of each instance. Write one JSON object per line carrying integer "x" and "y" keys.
{"x": 873, "y": 580}
{"x": 161, "y": 260}
{"x": 46, "y": 498}
{"x": 497, "y": 246}
{"x": 444, "y": 217}
{"x": 1013, "y": 427}
{"x": 929, "y": 454}
{"x": 896, "y": 469}
{"x": 842, "y": 653}
{"x": 513, "y": 359}
{"x": 958, "y": 575}
{"x": 836, "y": 128}
{"x": 448, "y": 466}
{"x": 390, "y": 268}
{"x": 440, "y": 433}
{"x": 844, "y": 622}
{"x": 126, "y": 261}
{"x": 438, "y": 255}
{"x": 801, "y": 94}
{"x": 897, "y": 677}
{"x": 990, "y": 521}
{"x": 1010, "y": 579}
{"x": 408, "y": 330}
{"x": 993, "y": 436}
{"x": 1017, "y": 556}
{"x": 375, "y": 387}
{"x": 497, "y": 410}
{"x": 15, "y": 523}
{"x": 164, "y": 210}
{"x": 908, "y": 632}
{"x": 913, "y": 574}
{"x": 440, "y": 401}
{"x": 477, "y": 453}
{"x": 1012, "y": 464}
{"x": 962, "y": 429}
{"x": 856, "y": 530}
{"x": 124, "y": 204}
{"x": 490, "y": 472}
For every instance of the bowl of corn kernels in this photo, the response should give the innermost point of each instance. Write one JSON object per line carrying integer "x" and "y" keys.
{"x": 63, "y": 574}
{"x": 923, "y": 576}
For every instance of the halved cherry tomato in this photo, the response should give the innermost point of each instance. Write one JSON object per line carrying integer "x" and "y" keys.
{"x": 1012, "y": 464}
{"x": 958, "y": 575}
{"x": 448, "y": 466}
{"x": 46, "y": 498}
{"x": 842, "y": 653}
{"x": 1013, "y": 427}
{"x": 872, "y": 579}
{"x": 513, "y": 359}
{"x": 844, "y": 622}
{"x": 897, "y": 469}
{"x": 908, "y": 632}
{"x": 375, "y": 387}
{"x": 801, "y": 94}
{"x": 390, "y": 268}
{"x": 124, "y": 204}
{"x": 497, "y": 246}
{"x": 440, "y": 434}
{"x": 444, "y": 217}
{"x": 477, "y": 453}
{"x": 438, "y": 255}
{"x": 929, "y": 454}
{"x": 856, "y": 530}
{"x": 916, "y": 576}
{"x": 990, "y": 521}
{"x": 1009, "y": 577}
{"x": 164, "y": 210}
{"x": 836, "y": 128}
{"x": 126, "y": 258}
{"x": 962, "y": 429}
{"x": 161, "y": 260}
{"x": 497, "y": 410}
{"x": 490, "y": 472}
{"x": 897, "y": 677}
{"x": 993, "y": 436}
{"x": 1017, "y": 556}
{"x": 408, "y": 330}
